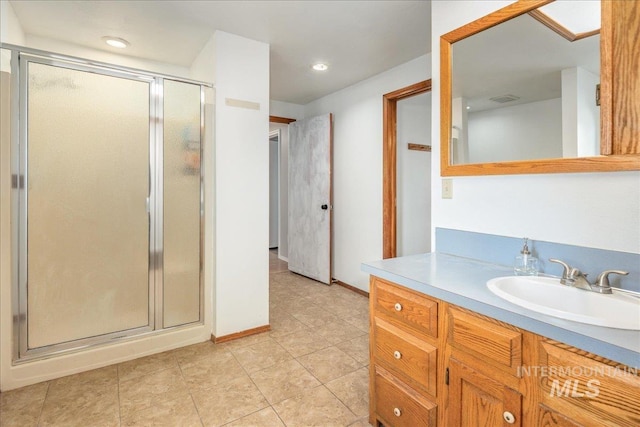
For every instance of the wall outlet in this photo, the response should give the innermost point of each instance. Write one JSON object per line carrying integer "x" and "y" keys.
{"x": 447, "y": 188}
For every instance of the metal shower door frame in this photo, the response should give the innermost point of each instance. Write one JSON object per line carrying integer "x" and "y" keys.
{"x": 20, "y": 58}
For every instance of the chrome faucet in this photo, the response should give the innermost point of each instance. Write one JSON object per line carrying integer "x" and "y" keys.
{"x": 565, "y": 272}
{"x": 571, "y": 276}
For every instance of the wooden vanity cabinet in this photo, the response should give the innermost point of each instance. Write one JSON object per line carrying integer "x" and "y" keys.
{"x": 404, "y": 356}
{"x": 477, "y": 399}
{"x": 482, "y": 361}
{"x": 586, "y": 389}
{"x": 433, "y": 363}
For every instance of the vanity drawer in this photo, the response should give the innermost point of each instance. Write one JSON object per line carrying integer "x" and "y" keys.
{"x": 407, "y": 356}
{"x": 495, "y": 343}
{"x": 396, "y": 404}
{"x": 405, "y": 306}
{"x": 588, "y": 388}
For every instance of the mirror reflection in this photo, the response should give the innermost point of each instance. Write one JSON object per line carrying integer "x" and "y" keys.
{"x": 522, "y": 91}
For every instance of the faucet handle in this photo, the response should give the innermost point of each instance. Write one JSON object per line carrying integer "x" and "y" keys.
{"x": 566, "y": 274}
{"x": 603, "y": 279}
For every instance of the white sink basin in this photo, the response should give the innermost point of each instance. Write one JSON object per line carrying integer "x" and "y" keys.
{"x": 548, "y": 296}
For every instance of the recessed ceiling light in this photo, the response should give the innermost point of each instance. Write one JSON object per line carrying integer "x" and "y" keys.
{"x": 116, "y": 42}
{"x": 468, "y": 107}
{"x": 320, "y": 66}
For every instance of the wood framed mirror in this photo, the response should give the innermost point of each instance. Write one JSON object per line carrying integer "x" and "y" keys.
{"x": 618, "y": 146}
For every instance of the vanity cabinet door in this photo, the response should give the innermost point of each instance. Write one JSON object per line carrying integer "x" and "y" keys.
{"x": 587, "y": 388}
{"x": 477, "y": 400}
{"x": 550, "y": 418}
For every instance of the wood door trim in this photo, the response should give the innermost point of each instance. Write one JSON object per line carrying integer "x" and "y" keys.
{"x": 276, "y": 119}
{"x": 389, "y": 166}
{"x": 555, "y": 26}
{"x": 330, "y": 197}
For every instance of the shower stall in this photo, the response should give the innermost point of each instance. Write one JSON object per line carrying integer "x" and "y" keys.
{"x": 107, "y": 202}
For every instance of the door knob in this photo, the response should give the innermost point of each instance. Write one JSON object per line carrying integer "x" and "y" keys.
{"x": 324, "y": 207}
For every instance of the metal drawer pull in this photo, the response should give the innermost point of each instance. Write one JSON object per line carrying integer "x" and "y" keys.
{"x": 398, "y": 306}
{"x": 397, "y": 412}
{"x": 508, "y": 417}
{"x": 397, "y": 355}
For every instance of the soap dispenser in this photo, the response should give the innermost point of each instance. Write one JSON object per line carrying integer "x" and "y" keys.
{"x": 525, "y": 264}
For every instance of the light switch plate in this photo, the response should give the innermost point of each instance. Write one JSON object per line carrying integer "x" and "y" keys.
{"x": 447, "y": 188}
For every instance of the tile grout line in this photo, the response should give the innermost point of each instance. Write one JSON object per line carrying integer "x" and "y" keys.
{"x": 254, "y": 384}
{"x": 119, "y": 401}
{"x": 46, "y": 394}
{"x": 190, "y": 393}
{"x": 340, "y": 400}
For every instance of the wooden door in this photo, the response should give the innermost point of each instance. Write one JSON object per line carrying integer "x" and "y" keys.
{"x": 310, "y": 198}
{"x": 477, "y": 400}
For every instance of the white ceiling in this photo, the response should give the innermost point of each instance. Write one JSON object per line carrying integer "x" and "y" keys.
{"x": 521, "y": 57}
{"x": 358, "y": 39}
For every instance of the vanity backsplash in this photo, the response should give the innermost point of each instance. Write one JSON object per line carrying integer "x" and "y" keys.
{"x": 501, "y": 250}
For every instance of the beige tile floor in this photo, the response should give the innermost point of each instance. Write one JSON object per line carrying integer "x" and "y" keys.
{"x": 309, "y": 370}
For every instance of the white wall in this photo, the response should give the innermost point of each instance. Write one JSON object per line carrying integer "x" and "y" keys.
{"x": 524, "y": 131}
{"x": 242, "y": 185}
{"x": 357, "y": 166}
{"x": 580, "y": 114}
{"x": 599, "y": 210}
{"x": 10, "y": 32}
{"x": 459, "y": 131}
{"x": 286, "y": 109}
{"x": 10, "y": 29}
{"x": 413, "y": 178}
{"x": 588, "y": 114}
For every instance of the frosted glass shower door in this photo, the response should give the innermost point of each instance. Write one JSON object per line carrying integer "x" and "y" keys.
{"x": 88, "y": 180}
{"x": 182, "y": 195}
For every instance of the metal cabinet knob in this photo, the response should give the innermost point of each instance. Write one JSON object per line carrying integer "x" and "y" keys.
{"x": 397, "y": 355}
{"x": 397, "y": 412}
{"x": 509, "y": 417}
{"x": 398, "y": 306}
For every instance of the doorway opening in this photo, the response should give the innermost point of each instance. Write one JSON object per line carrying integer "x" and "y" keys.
{"x": 280, "y": 125}
{"x": 274, "y": 189}
{"x": 390, "y": 163}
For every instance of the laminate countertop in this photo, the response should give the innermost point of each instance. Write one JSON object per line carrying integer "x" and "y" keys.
{"x": 462, "y": 281}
